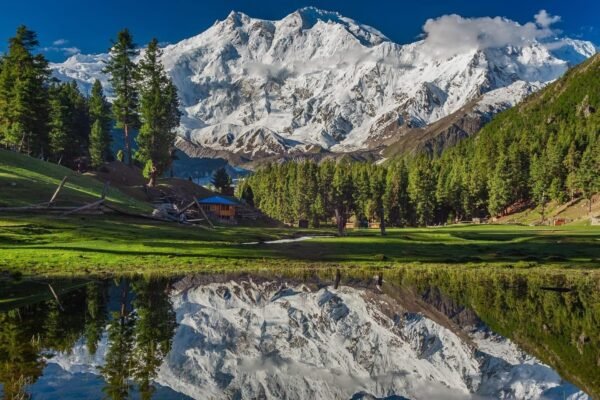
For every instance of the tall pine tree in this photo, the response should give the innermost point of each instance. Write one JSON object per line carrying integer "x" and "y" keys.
{"x": 99, "y": 110}
{"x": 23, "y": 95}
{"x": 159, "y": 113}
{"x": 123, "y": 77}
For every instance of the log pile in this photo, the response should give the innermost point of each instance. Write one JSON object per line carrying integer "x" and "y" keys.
{"x": 167, "y": 210}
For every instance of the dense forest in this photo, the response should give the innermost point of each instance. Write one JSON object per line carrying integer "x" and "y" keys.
{"x": 547, "y": 148}
{"x": 53, "y": 120}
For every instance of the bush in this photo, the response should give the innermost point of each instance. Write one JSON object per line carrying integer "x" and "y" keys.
{"x": 148, "y": 169}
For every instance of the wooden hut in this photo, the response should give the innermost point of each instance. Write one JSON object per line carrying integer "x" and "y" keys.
{"x": 220, "y": 207}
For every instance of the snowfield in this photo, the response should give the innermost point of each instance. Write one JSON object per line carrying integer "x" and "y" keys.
{"x": 318, "y": 80}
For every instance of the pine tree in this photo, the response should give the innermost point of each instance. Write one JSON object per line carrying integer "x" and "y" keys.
{"x": 540, "y": 182}
{"x": 95, "y": 316}
{"x": 221, "y": 180}
{"x": 153, "y": 331}
{"x": 421, "y": 188}
{"x": 571, "y": 163}
{"x": 378, "y": 182}
{"x": 123, "y": 77}
{"x": 301, "y": 197}
{"x": 23, "y": 95}
{"x": 97, "y": 145}
{"x": 248, "y": 195}
{"x": 500, "y": 186}
{"x": 59, "y": 134}
{"x": 99, "y": 113}
{"x": 343, "y": 198}
{"x": 159, "y": 113}
{"x": 588, "y": 176}
{"x": 69, "y": 123}
{"x": 79, "y": 122}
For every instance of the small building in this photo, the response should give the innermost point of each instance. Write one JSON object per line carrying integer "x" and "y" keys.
{"x": 560, "y": 221}
{"x": 374, "y": 225}
{"x": 222, "y": 208}
{"x": 595, "y": 220}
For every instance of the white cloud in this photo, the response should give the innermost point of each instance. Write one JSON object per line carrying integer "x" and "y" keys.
{"x": 71, "y": 50}
{"x": 60, "y": 46}
{"x": 452, "y": 34}
{"x": 543, "y": 19}
{"x": 68, "y": 51}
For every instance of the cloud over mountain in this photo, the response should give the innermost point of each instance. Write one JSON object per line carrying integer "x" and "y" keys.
{"x": 316, "y": 80}
{"x": 452, "y": 34}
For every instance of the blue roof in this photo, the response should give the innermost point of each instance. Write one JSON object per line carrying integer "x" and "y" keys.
{"x": 219, "y": 200}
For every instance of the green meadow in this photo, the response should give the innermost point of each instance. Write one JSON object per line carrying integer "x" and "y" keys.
{"x": 100, "y": 244}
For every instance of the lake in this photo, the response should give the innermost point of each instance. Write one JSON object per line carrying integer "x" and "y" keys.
{"x": 405, "y": 333}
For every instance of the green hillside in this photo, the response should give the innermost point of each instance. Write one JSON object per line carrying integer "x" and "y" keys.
{"x": 26, "y": 180}
{"x": 545, "y": 149}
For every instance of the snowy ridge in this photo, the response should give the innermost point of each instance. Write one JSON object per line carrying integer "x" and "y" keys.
{"x": 269, "y": 340}
{"x": 316, "y": 79}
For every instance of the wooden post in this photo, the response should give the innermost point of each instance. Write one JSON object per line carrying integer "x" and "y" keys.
{"x": 338, "y": 278}
{"x": 58, "y": 189}
{"x": 105, "y": 190}
{"x": 56, "y": 297}
{"x": 85, "y": 207}
{"x": 203, "y": 213}
{"x": 184, "y": 209}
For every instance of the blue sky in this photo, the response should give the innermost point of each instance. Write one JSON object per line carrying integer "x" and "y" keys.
{"x": 66, "y": 26}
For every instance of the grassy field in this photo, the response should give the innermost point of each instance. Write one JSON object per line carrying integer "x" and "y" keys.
{"x": 40, "y": 244}
{"x": 97, "y": 244}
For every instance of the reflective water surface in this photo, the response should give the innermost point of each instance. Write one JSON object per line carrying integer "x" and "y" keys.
{"x": 396, "y": 334}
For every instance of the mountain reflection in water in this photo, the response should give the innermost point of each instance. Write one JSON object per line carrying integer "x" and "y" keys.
{"x": 420, "y": 335}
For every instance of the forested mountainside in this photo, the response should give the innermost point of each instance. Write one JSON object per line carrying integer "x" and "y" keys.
{"x": 546, "y": 148}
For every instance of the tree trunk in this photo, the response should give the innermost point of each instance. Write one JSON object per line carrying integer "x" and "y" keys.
{"x": 128, "y": 145}
{"x": 341, "y": 224}
{"x": 316, "y": 223}
{"x": 543, "y": 212}
{"x": 152, "y": 180}
{"x": 382, "y": 222}
{"x": 153, "y": 174}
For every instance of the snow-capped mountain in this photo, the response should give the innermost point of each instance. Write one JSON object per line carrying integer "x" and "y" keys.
{"x": 316, "y": 80}
{"x": 247, "y": 339}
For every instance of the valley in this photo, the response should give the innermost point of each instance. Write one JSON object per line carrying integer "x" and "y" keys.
{"x": 296, "y": 205}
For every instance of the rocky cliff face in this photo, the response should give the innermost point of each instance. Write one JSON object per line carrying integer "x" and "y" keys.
{"x": 316, "y": 80}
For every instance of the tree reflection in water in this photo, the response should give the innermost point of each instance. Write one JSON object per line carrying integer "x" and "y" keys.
{"x": 139, "y": 333}
{"x": 134, "y": 318}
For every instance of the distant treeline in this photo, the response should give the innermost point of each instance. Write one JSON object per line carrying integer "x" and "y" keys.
{"x": 546, "y": 149}
{"x": 46, "y": 118}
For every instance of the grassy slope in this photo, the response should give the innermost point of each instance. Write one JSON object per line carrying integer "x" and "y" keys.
{"x": 576, "y": 211}
{"x": 25, "y": 180}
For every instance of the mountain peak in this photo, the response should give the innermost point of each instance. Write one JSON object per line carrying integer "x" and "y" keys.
{"x": 237, "y": 18}
{"x": 317, "y": 79}
{"x": 308, "y": 17}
